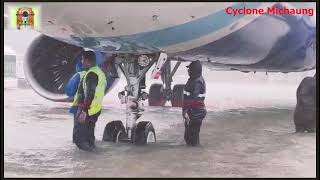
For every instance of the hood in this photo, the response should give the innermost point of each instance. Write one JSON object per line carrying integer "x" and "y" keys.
{"x": 195, "y": 69}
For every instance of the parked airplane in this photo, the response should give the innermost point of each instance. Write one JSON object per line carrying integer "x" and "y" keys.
{"x": 134, "y": 37}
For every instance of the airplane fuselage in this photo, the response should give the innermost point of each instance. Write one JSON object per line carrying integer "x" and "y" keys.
{"x": 217, "y": 34}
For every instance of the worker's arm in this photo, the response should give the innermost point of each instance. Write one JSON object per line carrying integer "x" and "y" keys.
{"x": 91, "y": 83}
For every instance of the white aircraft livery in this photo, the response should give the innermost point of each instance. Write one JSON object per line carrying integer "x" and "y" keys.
{"x": 131, "y": 38}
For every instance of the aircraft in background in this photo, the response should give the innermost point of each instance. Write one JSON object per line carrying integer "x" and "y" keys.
{"x": 132, "y": 38}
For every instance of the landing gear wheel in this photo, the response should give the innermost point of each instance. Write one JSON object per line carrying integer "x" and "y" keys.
{"x": 143, "y": 133}
{"x": 177, "y": 95}
{"x": 156, "y": 95}
{"x": 305, "y": 112}
{"x": 114, "y": 131}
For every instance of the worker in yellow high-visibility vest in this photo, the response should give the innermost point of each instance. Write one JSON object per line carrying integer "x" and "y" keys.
{"x": 90, "y": 95}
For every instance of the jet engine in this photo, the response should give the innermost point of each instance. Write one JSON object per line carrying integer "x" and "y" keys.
{"x": 48, "y": 66}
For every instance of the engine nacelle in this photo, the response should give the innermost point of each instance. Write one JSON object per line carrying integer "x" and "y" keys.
{"x": 48, "y": 66}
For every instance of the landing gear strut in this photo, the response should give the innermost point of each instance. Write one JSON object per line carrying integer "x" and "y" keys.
{"x": 134, "y": 69}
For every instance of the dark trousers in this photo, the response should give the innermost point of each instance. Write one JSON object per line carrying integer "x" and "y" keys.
{"x": 192, "y": 131}
{"x": 83, "y": 133}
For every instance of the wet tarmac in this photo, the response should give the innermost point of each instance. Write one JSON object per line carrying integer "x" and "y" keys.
{"x": 235, "y": 142}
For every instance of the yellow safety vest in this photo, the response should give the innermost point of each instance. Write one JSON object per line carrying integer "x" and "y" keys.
{"x": 76, "y": 97}
{"x": 96, "y": 103}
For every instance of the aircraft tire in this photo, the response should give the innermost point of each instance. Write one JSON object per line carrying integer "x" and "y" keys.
{"x": 143, "y": 133}
{"x": 305, "y": 112}
{"x": 156, "y": 95}
{"x": 177, "y": 95}
{"x": 113, "y": 131}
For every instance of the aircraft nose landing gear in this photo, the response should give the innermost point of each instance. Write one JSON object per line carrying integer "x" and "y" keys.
{"x": 134, "y": 69}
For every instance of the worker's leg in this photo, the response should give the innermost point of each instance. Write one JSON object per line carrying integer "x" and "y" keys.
{"x": 81, "y": 134}
{"x": 196, "y": 117}
{"x": 78, "y": 136}
{"x": 90, "y": 129}
{"x": 195, "y": 126}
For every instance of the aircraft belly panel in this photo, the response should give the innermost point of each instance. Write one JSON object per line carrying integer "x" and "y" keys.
{"x": 120, "y": 19}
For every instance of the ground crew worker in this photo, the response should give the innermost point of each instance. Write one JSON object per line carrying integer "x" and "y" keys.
{"x": 90, "y": 95}
{"x": 193, "y": 109}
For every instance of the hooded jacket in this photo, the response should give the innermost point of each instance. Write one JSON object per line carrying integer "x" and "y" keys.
{"x": 195, "y": 88}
